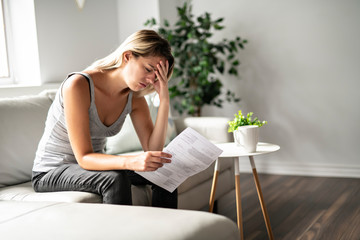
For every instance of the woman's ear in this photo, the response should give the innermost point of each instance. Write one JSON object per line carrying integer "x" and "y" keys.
{"x": 127, "y": 55}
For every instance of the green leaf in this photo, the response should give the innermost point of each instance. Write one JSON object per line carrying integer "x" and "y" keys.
{"x": 231, "y": 56}
{"x": 219, "y": 20}
{"x": 204, "y": 63}
{"x": 221, "y": 67}
{"x": 197, "y": 69}
{"x": 218, "y": 27}
{"x": 153, "y": 21}
{"x": 232, "y": 71}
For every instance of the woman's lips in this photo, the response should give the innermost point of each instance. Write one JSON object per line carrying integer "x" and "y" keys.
{"x": 143, "y": 85}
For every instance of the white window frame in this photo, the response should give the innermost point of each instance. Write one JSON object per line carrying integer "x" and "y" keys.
{"x": 23, "y": 56}
{"x": 4, "y": 48}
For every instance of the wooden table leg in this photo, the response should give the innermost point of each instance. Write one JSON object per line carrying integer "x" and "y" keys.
{"x": 238, "y": 197}
{"x": 261, "y": 198}
{"x": 213, "y": 187}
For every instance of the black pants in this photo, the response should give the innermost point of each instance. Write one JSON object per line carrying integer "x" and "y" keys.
{"x": 114, "y": 186}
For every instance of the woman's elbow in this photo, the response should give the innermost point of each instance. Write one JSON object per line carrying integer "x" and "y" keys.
{"x": 83, "y": 163}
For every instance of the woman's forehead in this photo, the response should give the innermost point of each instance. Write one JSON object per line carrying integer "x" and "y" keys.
{"x": 153, "y": 60}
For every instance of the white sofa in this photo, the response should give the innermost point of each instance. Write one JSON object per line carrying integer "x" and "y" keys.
{"x": 21, "y": 126}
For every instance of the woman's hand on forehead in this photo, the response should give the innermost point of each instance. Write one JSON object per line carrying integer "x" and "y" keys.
{"x": 161, "y": 81}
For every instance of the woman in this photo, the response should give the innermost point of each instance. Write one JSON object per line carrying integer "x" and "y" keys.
{"x": 91, "y": 106}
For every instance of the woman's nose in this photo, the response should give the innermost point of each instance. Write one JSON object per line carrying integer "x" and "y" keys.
{"x": 151, "y": 77}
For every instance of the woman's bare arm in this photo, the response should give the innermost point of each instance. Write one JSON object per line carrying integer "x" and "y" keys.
{"x": 153, "y": 137}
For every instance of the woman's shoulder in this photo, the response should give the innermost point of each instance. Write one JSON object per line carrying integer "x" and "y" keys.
{"x": 76, "y": 81}
{"x": 138, "y": 102}
{"x": 76, "y": 84}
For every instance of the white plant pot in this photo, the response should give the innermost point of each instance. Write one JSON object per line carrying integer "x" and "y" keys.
{"x": 247, "y": 137}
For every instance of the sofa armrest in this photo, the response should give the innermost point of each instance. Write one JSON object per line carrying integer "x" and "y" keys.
{"x": 40, "y": 220}
{"x": 214, "y": 129}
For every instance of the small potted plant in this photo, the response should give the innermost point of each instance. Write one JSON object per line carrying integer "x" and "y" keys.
{"x": 246, "y": 130}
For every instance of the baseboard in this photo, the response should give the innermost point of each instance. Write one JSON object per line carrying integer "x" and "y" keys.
{"x": 301, "y": 169}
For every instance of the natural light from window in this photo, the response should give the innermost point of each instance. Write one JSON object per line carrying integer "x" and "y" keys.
{"x": 4, "y": 66}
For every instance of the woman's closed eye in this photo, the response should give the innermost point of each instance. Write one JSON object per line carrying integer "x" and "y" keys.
{"x": 147, "y": 69}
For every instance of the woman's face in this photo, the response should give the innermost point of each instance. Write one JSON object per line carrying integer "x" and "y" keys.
{"x": 139, "y": 72}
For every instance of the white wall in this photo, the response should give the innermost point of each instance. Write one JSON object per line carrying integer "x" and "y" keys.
{"x": 71, "y": 39}
{"x": 300, "y": 71}
{"x": 168, "y": 11}
{"x": 132, "y": 14}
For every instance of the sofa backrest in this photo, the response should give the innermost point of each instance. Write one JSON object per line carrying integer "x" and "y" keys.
{"x": 22, "y": 122}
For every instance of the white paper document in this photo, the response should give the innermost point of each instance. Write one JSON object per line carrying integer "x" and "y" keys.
{"x": 191, "y": 153}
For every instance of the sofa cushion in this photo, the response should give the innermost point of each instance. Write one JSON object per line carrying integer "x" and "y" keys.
{"x": 215, "y": 129}
{"x": 69, "y": 221}
{"x": 50, "y": 93}
{"x": 25, "y": 192}
{"x": 141, "y": 195}
{"x": 22, "y": 122}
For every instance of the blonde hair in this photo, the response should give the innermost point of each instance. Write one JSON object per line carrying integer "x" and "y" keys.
{"x": 144, "y": 43}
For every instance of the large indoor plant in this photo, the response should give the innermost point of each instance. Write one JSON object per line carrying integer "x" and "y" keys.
{"x": 199, "y": 61}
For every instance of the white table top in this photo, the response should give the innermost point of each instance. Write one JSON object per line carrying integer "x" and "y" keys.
{"x": 230, "y": 149}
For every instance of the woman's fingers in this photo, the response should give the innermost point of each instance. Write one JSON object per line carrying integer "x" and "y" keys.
{"x": 154, "y": 165}
{"x": 160, "y": 157}
{"x": 161, "y": 86}
{"x": 153, "y": 160}
{"x": 162, "y": 70}
{"x": 160, "y": 154}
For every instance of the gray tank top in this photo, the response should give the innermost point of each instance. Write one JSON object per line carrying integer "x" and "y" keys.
{"x": 54, "y": 148}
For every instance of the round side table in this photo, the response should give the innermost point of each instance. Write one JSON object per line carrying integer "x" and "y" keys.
{"x": 232, "y": 150}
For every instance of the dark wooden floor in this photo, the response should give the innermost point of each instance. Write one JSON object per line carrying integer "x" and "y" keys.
{"x": 299, "y": 207}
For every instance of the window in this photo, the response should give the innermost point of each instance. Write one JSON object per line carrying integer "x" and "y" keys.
{"x": 4, "y": 64}
{"x": 19, "y": 55}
